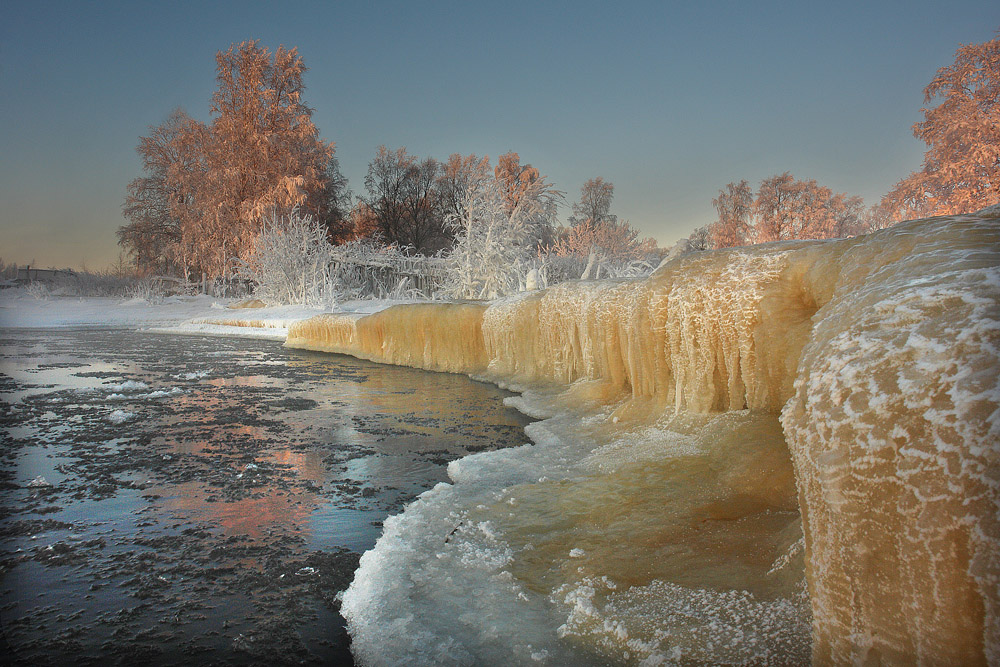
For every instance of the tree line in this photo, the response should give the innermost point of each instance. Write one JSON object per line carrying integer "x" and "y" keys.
{"x": 960, "y": 172}
{"x": 207, "y": 189}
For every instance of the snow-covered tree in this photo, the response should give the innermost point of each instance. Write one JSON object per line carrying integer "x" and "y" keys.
{"x": 292, "y": 262}
{"x": 216, "y": 185}
{"x": 594, "y": 206}
{"x": 961, "y": 170}
{"x": 497, "y": 237}
{"x": 734, "y": 226}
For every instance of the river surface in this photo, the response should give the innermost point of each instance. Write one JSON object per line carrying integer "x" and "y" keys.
{"x": 189, "y": 500}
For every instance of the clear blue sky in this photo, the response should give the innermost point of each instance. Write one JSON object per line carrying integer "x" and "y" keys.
{"x": 668, "y": 100}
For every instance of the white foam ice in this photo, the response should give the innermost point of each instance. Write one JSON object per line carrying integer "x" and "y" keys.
{"x": 120, "y": 416}
{"x": 126, "y": 386}
{"x": 159, "y": 393}
{"x": 667, "y": 624}
{"x": 194, "y": 375}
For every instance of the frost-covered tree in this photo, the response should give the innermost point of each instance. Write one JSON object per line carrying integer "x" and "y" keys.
{"x": 849, "y": 215}
{"x": 497, "y": 237}
{"x": 292, "y": 262}
{"x": 734, "y": 226}
{"x": 775, "y": 208}
{"x": 961, "y": 170}
{"x": 457, "y": 175}
{"x": 514, "y": 178}
{"x": 608, "y": 249}
{"x": 699, "y": 239}
{"x": 157, "y": 204}
{"x": 266, "y": 155}
{"x": 786, "y": 208}
{"x": 261, "y": 155}
{"x": 594, "y": 206}
{"x": 597, "y": 244}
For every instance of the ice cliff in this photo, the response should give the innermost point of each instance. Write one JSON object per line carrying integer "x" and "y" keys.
{"x": 879, "y": 354}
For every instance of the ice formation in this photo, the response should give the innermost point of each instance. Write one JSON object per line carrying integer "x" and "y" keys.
{"x": 654, "y": 519}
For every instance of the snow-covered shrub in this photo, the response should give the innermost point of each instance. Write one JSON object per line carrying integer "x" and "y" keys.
{"x": 149, "y": 290}
{"x": 117, "y": 281}
{"x": 496, "y": 240}
{"x": 108, "y": 283}
{"x": 37, "y": 290}
{"x": 292, "y": 262}
{"x": 8, "y": 272}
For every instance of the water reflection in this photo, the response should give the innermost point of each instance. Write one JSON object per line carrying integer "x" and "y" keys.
{"x": 205, "y": 499}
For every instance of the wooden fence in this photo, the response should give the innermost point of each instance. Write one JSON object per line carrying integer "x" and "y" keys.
{"x": 424, "y": 274}
{"x": 29, "y": 275}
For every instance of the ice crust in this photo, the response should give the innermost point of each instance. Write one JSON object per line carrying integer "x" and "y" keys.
{"x": 879, "y": 354}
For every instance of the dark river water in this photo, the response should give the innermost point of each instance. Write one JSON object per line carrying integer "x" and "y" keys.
{"x": 189, "y": 500}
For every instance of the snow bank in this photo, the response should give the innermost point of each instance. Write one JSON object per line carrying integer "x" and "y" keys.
{"x": 20, "y": 310}
{"x": 197, "y": 315}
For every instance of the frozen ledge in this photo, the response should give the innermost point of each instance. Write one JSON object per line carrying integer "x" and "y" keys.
{"x": 881, "y": 355}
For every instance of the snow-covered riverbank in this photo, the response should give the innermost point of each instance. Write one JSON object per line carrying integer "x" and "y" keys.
{"x": 199, "y": 314}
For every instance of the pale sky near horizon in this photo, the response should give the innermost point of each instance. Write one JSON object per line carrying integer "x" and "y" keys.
{"x": 667, "y": 100}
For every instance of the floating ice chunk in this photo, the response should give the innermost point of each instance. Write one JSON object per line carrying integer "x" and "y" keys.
{"x": 159, "y": 393}
{"x": 173, "y": 391}
{"x": 194, "y": 375}
{"x": 306, "y": 571}
{"x": 39, "y": 483}
{"x": 577, "y": 553}
{"x": 128, "y": 385}
{"x": 120, "y": 416}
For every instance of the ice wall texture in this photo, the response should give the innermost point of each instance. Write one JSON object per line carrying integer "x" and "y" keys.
{"x": 882, "y": 356}
{"x": 436, "y": 337}
{"x": 895, "y": 436}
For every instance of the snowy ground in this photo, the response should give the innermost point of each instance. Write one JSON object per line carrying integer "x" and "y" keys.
{"x": 175, "y": 314}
